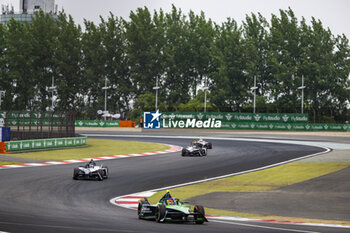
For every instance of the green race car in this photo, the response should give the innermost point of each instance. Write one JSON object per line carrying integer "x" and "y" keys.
{"x": 171, "y": 209}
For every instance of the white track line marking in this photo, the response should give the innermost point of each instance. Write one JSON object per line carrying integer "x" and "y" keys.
{"x": 265, "y": 227}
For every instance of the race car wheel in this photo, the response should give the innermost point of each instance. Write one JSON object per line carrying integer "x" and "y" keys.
{"x": 202, "y": 152}
{"x": 184, "y": 152}
{"x": 199, "y": 218}
{"x": 210, "y": 146}
{"x": 75, "y": 173}
{"x": 105, "y": 172}
{"x": 140, "y": 207}
{"x": 160, "y": 213}
{"x": 100, "y": 175}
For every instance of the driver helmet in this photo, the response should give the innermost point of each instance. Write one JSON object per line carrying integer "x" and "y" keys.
{"x": 170, "y": 202}
{"x": 91, "y": 163}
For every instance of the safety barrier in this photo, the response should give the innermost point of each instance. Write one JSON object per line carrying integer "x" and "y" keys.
{"x": 126, "y": 123}
{"x": 96, "y": 123}
{"x": 2, "y": 147}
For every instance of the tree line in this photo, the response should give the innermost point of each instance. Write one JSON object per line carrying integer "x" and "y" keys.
{"x": 186, "y": 53}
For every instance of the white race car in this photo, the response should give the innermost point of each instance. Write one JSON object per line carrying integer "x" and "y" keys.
{"x": 202, "y": 143}
{"x": 91, "y": 171}
{"x": 194, "y": 150}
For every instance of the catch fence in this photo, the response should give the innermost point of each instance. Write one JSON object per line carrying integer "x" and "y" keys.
{"x": 27, "y": 125}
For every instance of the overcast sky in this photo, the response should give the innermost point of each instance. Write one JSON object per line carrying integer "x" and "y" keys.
{"x": 334, "y": 14}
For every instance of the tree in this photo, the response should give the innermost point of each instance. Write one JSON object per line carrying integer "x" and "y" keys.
{"x": 117, "y": 69}
{"x": 256, "y": 55}
{"x": 144, "y": 53}
{"x": 341, "y": 61}
{"x": 229, "y": 86}
{"x": 284, "y": 59}
{"x": 5, "y": 81}
{"x": 325, "y": 74}
{"x": 201, "y": 35}
{"x": 93, "y": 68}
{"x": 19, "y": 78}
{"x": 184, "y": 52}
{"x": 43, "y": 31}
{"x": 177, "y": 81}
{"x": 196, "y": 104}
{"x": 68, "y": 65}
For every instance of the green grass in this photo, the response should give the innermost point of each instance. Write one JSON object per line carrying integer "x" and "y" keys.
{"x": 95, "y": 148}
{"x": 259, "y": 181}
{"x": 2, "y": 163}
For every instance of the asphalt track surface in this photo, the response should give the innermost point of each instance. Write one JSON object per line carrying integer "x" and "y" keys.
{"x": 47, "y": 199}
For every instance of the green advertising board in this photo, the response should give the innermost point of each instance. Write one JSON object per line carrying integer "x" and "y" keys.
{"x": 28, "y": 122}
{"x": 45, "y": 143}
{"x": 22, "y": 118}
{"x": 96, "y": 123}
{"x": 32, "y": 115}
{"x": 238, "y": 117}
{"x": 245, "y": 121}
{"x": 286, "y": 126}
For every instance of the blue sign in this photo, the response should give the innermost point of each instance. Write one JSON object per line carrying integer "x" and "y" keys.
{"x": 151, "y": 120}
{"x": 5, "y": 134}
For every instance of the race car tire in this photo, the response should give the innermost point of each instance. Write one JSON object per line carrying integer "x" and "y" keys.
{"x": 199, "y": 209}
{"x": 100, "y": 176}
{"x": 75, "y": 173}
{"x": 105, "y": 172}
{"x": 141, "y": 203}
{"x": 202, "y": 152}
{"x": 160, "y": 212}
{"x": 210, "y": 146}
{"x": 184, "y": 152}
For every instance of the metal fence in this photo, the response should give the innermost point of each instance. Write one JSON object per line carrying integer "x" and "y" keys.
{"x": 27, "y": 125}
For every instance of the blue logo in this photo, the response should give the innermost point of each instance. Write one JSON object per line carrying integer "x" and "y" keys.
{"x": 151, "y": 120}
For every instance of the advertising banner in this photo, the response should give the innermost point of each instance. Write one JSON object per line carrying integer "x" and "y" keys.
{"x": 28, "y": 122}
{"x": 238, "y": 117}
{"x": 286, "y": 126}
{"x": 245, "y": 121}
{"x": 16, "y": 118}
{"x": 96, "y": 123}
{"x": 32, "y": 115}
{"x": 45, "y": 143}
